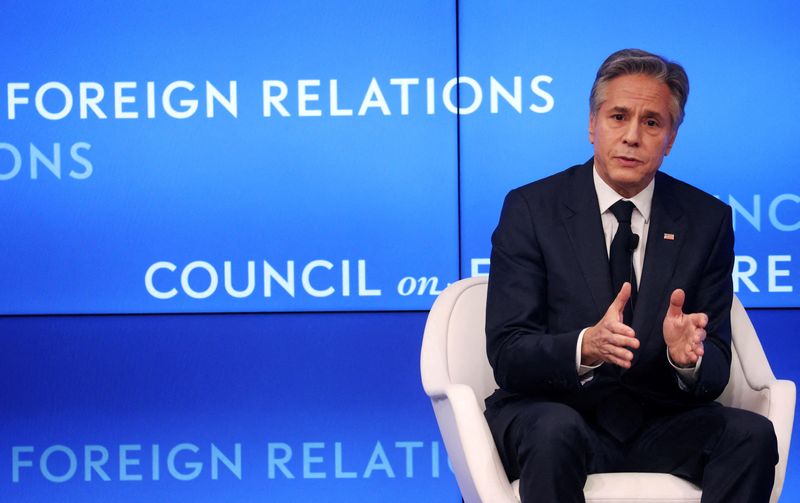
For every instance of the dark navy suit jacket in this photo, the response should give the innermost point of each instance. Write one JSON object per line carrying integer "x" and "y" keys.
{"x": 549, "y": 279}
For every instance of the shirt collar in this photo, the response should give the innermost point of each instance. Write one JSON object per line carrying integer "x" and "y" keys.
{"x": 606, "y": 196}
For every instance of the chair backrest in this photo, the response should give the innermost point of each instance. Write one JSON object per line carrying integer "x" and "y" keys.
{"x": 454, "y": 345}
{"x": 750, "y": 370}
{"x": 454, "y": 349}
{"x": 467, "y": 360}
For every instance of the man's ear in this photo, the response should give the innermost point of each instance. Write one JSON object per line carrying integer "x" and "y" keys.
{"x": 592, "y": 120}
{"x": 670, "y": 141}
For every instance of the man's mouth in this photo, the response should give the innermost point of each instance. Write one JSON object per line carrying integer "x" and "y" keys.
{"x": 627, "y": 161}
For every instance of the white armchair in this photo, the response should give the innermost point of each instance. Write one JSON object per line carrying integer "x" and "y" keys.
{"x": 457, "y": 377}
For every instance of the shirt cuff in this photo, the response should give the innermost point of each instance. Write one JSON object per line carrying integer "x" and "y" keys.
{"x": 687, "y": 376}
{"x": 585, "y": 372}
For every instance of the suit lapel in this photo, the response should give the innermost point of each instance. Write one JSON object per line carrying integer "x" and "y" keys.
{"x": 664, "y": 241}
{"x": 581, "y": 217}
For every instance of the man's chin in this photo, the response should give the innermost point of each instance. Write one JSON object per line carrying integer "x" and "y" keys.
{"x": 629, "y": 186}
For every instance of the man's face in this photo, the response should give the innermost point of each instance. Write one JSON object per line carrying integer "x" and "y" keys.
{"x": 632, "y": 132}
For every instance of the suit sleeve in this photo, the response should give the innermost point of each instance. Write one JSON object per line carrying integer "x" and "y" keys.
{"x": 525, "y": 357}
{"x": 713, "y": 295}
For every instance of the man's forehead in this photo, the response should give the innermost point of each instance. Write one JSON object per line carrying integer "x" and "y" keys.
{"x": 637, "y": 91}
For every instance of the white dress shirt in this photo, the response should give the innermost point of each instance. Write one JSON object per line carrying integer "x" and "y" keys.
{"x": 640, "y": 224}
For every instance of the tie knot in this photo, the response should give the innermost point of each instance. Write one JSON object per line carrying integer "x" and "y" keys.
{"x": 622, "y": 210}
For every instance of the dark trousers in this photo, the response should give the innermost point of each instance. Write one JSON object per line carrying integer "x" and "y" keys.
{"x": 730, "y": 453}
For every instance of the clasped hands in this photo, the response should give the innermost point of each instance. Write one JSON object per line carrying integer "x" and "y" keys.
{"x": 611, "y": 341}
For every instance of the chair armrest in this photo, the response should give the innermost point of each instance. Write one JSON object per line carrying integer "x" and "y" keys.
{"x": 782, "y": 396}
{"x": 470, "y": 446}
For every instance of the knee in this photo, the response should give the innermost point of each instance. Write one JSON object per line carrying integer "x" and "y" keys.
{"x": 753, "y": 434}
{"x": 557, "y": 431}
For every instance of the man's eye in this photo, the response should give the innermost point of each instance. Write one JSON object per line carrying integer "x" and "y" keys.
{"x": 618, "y": 117}
{"x": 652, "y": 122}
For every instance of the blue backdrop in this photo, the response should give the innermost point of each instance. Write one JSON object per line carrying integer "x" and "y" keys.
{"x": 295, "y": 157}
{"x": 310, "y": 176}
{"x": 330, "y": 211}
{"x": 296, "y": 384}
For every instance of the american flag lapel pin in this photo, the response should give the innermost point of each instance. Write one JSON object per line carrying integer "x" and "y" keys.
{"x": 669, "y": 236}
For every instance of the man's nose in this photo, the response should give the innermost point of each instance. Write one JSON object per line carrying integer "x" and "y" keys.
{"x": 632, "y": 134}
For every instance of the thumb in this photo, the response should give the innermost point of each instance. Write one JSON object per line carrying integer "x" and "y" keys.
{"x": 676, "y": 303}
{"x": 622, "y": 298}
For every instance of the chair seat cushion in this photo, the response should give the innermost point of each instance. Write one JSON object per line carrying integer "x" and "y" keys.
{"x": 636, "y": 487}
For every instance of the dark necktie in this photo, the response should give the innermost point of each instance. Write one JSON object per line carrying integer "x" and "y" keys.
{"x": 621, "y": 255}
{"x": 620, "y": 414}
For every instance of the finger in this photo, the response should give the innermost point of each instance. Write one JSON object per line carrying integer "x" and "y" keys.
{"x": 621, "y": 363}
{"x": 689, "y": 355}
{"x": 619, "y": 328}
{"x": 676, "y": 303}
{"x": 622, "y": 298}
{"x": 623, "y": 341}
{"x": 695, "y": 347}
{"x": 699, "y": 320}
{"x": 699, "y": 350}
{"x": 619, "y": 357}
{"x": 617, "y": 352}
{"x": 700, "y": 336}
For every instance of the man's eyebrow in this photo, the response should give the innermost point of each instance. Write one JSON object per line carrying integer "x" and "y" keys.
{"x": 653, "y": 113}
{"x": 619, "y": 109}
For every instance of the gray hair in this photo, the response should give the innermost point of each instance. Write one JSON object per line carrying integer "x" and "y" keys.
{"x": 637, "y": 61}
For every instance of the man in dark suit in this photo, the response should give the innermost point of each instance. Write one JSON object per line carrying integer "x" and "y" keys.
{"x": 608, "y": 313}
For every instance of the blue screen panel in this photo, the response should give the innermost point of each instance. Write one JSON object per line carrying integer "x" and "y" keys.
{"x": 209, "y": 408}
{"x": 323, "y": 407}
{"x": 737, "y": 141}
{"x": 267, "y": 156}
